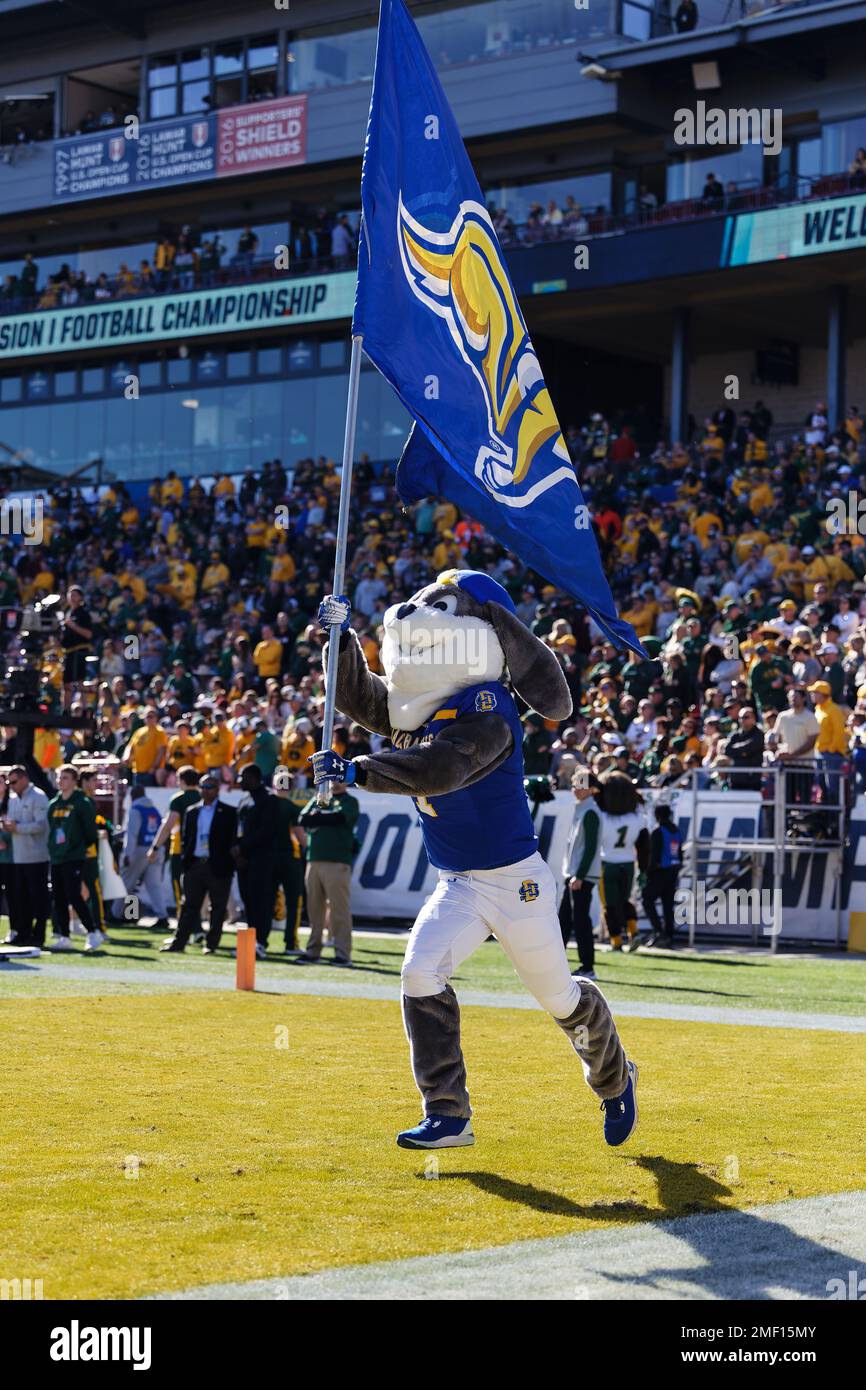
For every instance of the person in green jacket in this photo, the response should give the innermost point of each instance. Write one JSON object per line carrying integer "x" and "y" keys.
{"x": 86, "y": 791}
{"x": 71, "y": 832}
{"x": 330, "y": 851}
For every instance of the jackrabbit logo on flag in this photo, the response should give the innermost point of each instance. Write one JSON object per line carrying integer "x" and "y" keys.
{"x": 439, "y": 317}
{"x": 460, "y": 275}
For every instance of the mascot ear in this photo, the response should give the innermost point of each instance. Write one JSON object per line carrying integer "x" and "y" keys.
{"x": 534, "y": 670}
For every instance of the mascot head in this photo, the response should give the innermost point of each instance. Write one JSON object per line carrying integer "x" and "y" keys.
{"x": 463, "y": 630}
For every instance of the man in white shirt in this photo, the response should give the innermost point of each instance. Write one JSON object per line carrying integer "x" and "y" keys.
{"x": 795, "y": 732}
{"x": 27, "y": 823}
{"x": 641, "y": 731}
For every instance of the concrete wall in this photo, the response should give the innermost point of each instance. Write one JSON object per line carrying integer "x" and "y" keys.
{"x": 789, "y": 404}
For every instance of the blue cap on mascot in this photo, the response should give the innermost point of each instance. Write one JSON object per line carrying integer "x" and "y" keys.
{"x": 482, "y": 588}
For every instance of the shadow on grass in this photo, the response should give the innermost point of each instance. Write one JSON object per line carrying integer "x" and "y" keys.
{"x": 682, "y": 1189}
{"x": 618, "y": 980}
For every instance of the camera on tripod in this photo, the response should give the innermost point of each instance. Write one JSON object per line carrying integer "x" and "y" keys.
{"x": 36, "y": 625}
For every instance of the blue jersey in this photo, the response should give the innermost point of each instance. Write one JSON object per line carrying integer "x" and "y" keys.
{"x": 487, "y": 825}
{"x": 671, "y": 855}
{"x": 148, "y": 824}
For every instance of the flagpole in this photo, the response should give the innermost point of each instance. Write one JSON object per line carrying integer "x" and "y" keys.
{"x": 324, "y": 793}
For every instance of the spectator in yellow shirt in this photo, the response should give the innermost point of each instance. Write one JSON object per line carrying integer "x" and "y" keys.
{"x": 703, "y": 524}
{"x": 445, "y": 517}
{"x": 831, "y": 746}
{"x": 224, "y": 486}
{"x": 268, "y": 654}
{"x": 128, "y": 580}
{"x": 296, "y": 747}
{"x": 172, "y": 488}
{"x": 182, "y": 747}
{"x": 216, "y": 574}
{"x": 283, "y": 568}
{"x": 217, "y": 744}
{"x": 146, "y": 751}
{"x": 816, "y": 566}
{"x": 256, "y": 533}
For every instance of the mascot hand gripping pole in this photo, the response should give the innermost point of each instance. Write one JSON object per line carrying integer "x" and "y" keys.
{"x": 457, "y": 751}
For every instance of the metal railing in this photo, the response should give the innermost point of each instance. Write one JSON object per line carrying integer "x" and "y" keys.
{"x": 804, "y": 808}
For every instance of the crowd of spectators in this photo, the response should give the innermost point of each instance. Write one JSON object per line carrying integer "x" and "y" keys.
{"x": 201, "y": 602}
{"x": 184, "y": 260}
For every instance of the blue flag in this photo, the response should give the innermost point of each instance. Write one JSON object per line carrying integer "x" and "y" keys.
{"x": 440, "y": 319}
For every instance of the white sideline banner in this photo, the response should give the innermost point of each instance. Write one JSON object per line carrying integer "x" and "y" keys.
{"x": 391, "y": 876}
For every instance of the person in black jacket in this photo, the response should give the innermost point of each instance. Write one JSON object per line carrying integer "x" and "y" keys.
{"x": 210, "y": 833}
{"x": 255, "y": 854}
{"x": 663, "y": 872}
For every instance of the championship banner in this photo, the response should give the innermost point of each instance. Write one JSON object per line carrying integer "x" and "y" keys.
{"x": 154, "y": 319}
{"x": 267, "y": 135}
{"x": 807, "y": 229}
{"x": 239, "y": 140}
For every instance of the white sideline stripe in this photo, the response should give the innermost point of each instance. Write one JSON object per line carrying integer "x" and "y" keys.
{"x": 785, "y": 1250}
{"x": 158, "y": 978}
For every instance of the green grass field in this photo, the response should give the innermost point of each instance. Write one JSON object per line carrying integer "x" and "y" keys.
{"x": 158, "y": 1138}
{"x": 167, "y": 1141}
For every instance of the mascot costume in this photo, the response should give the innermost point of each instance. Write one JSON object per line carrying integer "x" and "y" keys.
{"x": 456, "y": 750}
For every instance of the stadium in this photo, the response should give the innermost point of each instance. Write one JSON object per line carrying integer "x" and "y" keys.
{"x": 601, "y": 646}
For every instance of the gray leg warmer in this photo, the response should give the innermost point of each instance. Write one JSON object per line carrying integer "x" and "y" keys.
{"x": 592, "y": 1033}
{"x": 432, "y": 1026}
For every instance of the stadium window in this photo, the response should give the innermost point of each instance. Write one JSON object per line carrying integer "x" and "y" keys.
{"x": 332, "y": 60}
{"x": 840, "y": 142}
{"x": 332, "y": 353}
{"x": 196, "y": 97}
{"x": 195, "y": 64}
{"x": 92, "y": 380}
{"x": 302, "y": 356}
{"x": 179, "y": 370}
{"x": 65, "y": 383}
{"x": 808, "y": 163}
{"x": 150, "y": 372}
{"x": 162, "y": 87}
{"x": 209, "y": 366}
{"x": 238, "y": 364}
{"x": 228, "y": 68}
{"x": 10, "y": 388}
{"x": 269, "y": 361}
{"x": 263, "y": 64}
{"x": 636, "y": 22}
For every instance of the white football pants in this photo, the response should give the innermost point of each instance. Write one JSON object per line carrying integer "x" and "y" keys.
{"x": 517, "y": 905}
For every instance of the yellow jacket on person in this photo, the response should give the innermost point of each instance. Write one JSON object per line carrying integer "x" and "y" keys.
{"x": 268, "y": 656}
{"x": 832, "y": 735}
{"x": 217, "y": 745}
{"x": 144, "y": 748}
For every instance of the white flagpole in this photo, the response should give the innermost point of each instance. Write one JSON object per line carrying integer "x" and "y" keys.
{"x": 324, "y": 793}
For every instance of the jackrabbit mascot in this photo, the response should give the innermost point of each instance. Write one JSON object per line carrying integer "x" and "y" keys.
{"x": 457, "y": 751}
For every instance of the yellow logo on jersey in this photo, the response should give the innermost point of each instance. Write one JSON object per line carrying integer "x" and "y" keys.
{"x": 485, "y": 701}
{"x": 529, "y": 891}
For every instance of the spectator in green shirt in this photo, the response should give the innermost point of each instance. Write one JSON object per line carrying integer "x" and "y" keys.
{"x": 71, "y": 831}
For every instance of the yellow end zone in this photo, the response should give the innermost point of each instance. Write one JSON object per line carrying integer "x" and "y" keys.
{"x": 163, "y": 1142}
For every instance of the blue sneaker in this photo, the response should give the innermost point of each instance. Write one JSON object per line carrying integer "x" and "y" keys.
{"x": 437, "y": 1132}
{"x": 620, "y": 1114}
